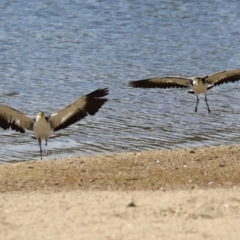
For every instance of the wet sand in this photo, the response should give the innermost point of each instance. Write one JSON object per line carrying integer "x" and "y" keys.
{"x": 167, "y": 194}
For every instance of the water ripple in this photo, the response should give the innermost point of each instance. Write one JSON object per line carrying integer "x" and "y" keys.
{"x": 53, "y": 51}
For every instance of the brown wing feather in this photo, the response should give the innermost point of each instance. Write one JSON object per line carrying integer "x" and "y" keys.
{"x": 224, "y": 77}
{"x": 165, "y": 82}
{"x": 18, "y": 121}
{"x": 88, "y": 104}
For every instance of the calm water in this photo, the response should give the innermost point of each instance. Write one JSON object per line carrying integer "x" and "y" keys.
{"x": 54, "y": 51}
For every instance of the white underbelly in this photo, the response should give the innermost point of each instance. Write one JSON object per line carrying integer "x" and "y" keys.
{"x": 42, "y": 129}
{"x": 200, "y": 88}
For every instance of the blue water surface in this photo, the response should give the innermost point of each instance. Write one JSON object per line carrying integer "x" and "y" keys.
{"x": 53, "y": 51}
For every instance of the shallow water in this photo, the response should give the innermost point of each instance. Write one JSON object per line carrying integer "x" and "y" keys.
{"x": 53, "y": 51}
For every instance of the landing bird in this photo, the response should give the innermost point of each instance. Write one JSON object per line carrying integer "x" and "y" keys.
{"x": 198, "y": 84}
{"x": 43, "y": 125}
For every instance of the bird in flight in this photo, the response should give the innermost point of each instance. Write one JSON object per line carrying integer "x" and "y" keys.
{"x": 198, "y": 85}
{"x": 42, "y": 125}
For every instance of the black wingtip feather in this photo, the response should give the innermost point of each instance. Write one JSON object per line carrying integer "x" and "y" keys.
{"x": 140, "y": 84}
{"x": 94, "y": 100}
{"x": 7, "y": 124}
{"x": 101, "y": 92}
{"x": 93, "y": 106}
{"x": 227, "y": 79}
{"x": 145, "y": 83}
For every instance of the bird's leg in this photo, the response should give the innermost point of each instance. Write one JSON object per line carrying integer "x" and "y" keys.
{"x": 197, "y": 103}
{"x": 39, "y": 142}
{"x": 207, "y": 103}
{"x": 46, "y": 148}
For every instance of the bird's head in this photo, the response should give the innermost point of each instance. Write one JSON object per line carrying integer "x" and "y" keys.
{"x": 196, "y": 81}
{"x": 40, "y": 115}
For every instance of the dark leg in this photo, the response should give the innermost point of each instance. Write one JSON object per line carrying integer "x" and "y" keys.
{"x": 207, "y": 103}
{"x": 39, "y": 142}
{"x": 46, "y": 147}
{"x": 197, "y": 104}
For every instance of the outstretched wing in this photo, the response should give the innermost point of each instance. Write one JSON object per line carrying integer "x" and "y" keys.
{"x": 18, "y": 121}
{"x": 224, "y": 77}
{"x": 88, "y": 104}
{"x": 165, "y": 82}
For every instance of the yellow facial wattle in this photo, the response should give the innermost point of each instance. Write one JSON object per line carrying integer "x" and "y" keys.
{"x": 40, "y": 115}
{"x": 196, "y": 81}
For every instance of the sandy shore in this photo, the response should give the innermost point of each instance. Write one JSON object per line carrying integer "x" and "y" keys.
{"x": 167, "y": 194}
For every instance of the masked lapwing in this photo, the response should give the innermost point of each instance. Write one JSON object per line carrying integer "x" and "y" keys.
{"x": 198, "y": 84}
{"x": 42, "y": 125}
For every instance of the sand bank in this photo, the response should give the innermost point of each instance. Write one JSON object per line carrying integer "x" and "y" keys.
{"x": 176, "y": 194}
